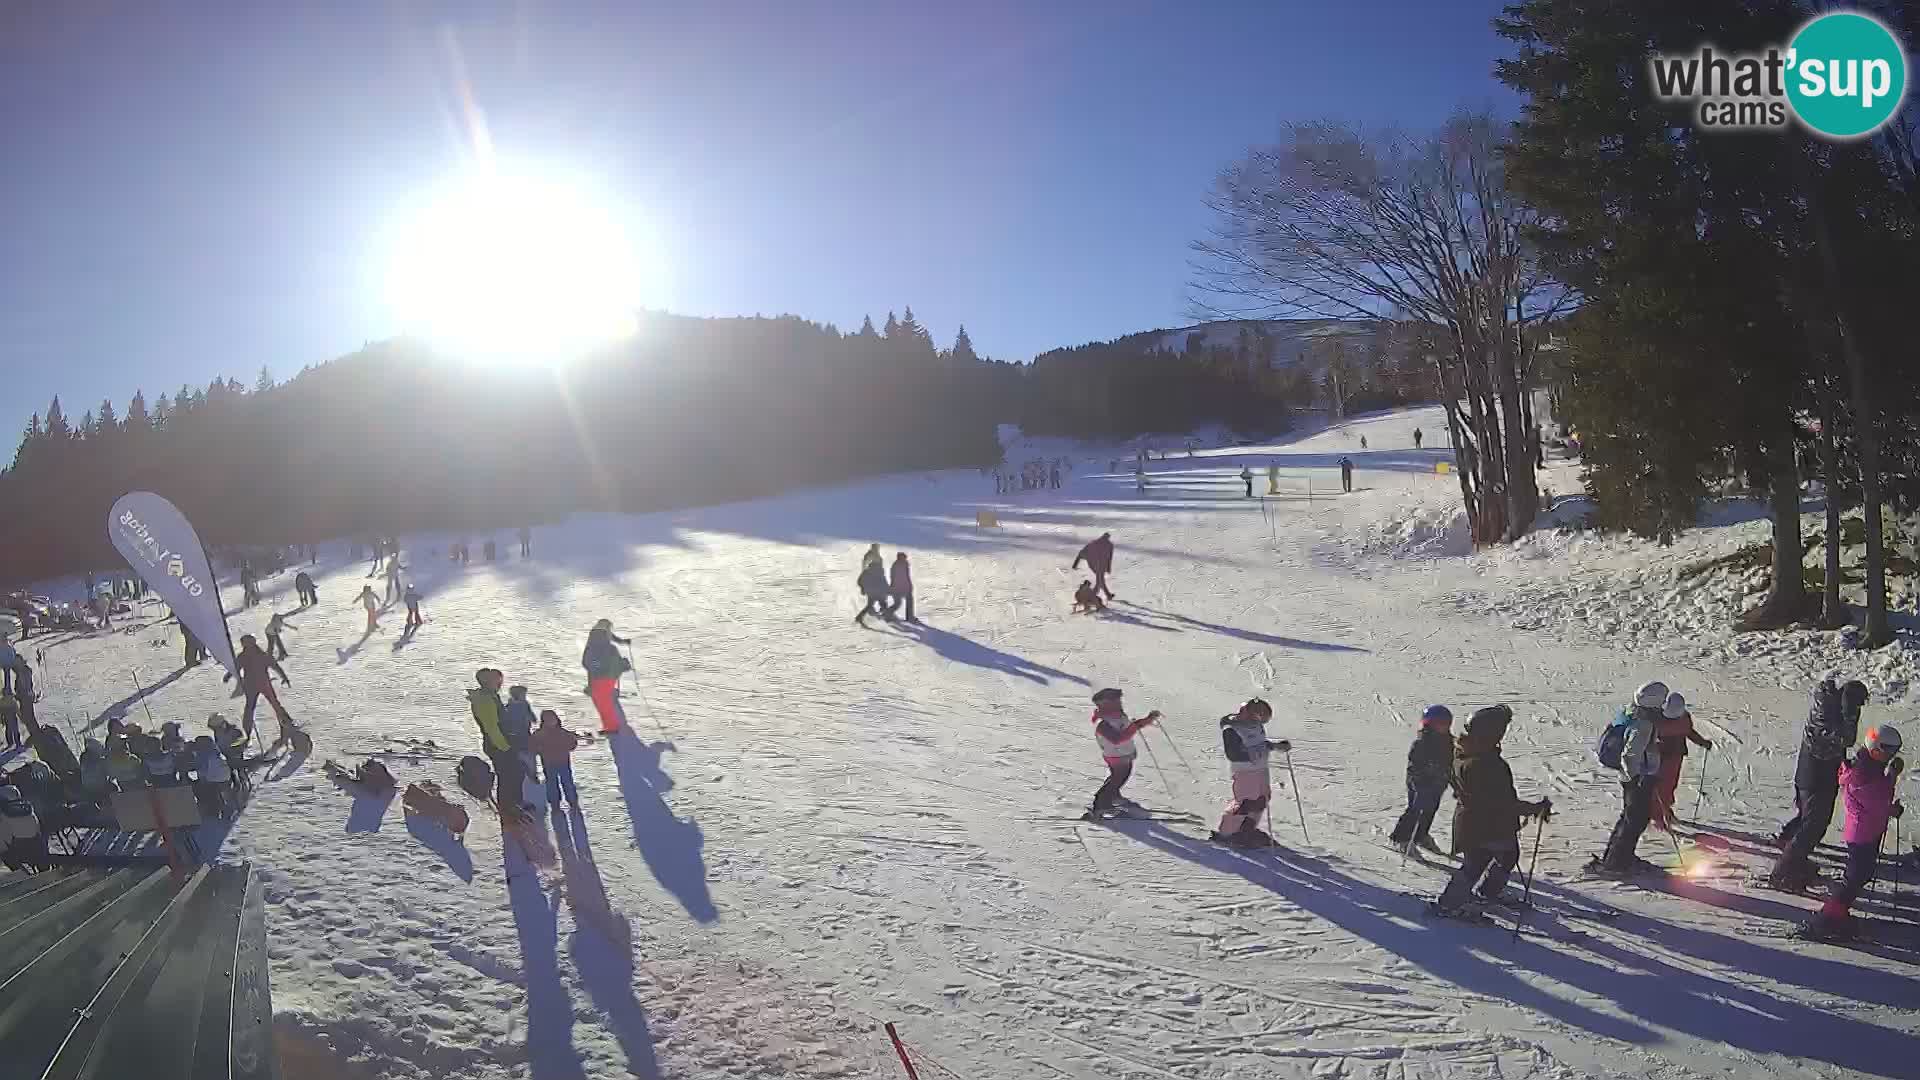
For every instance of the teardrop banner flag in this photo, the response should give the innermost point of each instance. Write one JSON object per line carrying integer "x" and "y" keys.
{"x": 156, "y": 540}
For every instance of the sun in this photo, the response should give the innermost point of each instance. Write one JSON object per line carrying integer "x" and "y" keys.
{"x": 517, "y": 268}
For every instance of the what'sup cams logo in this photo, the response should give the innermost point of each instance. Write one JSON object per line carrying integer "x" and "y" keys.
{"x": 1842, "y": 76}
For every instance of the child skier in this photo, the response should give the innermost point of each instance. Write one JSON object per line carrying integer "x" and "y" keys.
{"x": 517, "y": 724}
{"x": 276, "y": 625}
{"x": 1429, "y": 769}
{"x": 1114, "y": 733}
{"x": 372, "y": 603}
{"x": 1673, "y": 733}
{"x": 1243, "y": 735}
{"x": 555, "y": 745}
{"x": 1086, "y": 600}
{"x": 1869, "y": 782}
{"x": 1487, "y": 815}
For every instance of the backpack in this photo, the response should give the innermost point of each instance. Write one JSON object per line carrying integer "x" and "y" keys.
{"x": 1614, "y": 739}
{"x": 475, "y": 777}
{"x": 374, "y": 774}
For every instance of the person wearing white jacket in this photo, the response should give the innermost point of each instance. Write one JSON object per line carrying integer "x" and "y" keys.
{"x": 1639, "y": 775}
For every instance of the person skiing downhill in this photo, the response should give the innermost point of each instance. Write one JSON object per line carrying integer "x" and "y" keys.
{"x": 371, "y": 602}
{"x": 1243, "y": 735}
{"x": 412, "y": 597}
{"x": 1429, "y": 771}
{"x": 1114, "y": 733}
{"x": 1487, "y": 815}
{"x": 604, "y": 666}
{"x": 1674, "y": 732}
{"x": 1870, "y": 782}
{"x": 256, "y": 669}
{"x": 1098, "y": 555}
{"x": 1833, "y": 722}
{"x": 393, "y": 577}
{"x": 276, "y": 625}
{"x": 1639, "y": 772}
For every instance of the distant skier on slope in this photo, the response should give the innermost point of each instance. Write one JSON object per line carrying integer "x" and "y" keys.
{"x": 873, "y": 589}
{"x": 303, "y": 585}
{"x": 412, "y": 597}
{"x": 1098, "y": 555}
{"x": 1871, "y": 781}
{"x": 1833, "y": 722}
{"x": 604, "y": 666}
{"x": 900, "y": 585}
{"x": 1429, "y": 770}
{"x": 368, "y": 600}
{"x": 1346, "y": 475}
{"x": 1487, "y": 815}
{"x": 393, "y": 577}
{"x": 1246, "y": 477}
{"x": 1243, "y": 735}
{"x": 277, "y": 624}
{"x": 1113, "y": 732}
{"x": 1416, "y": 438}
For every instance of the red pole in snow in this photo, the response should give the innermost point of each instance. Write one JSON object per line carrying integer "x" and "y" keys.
{"x": 900, "y": 1048}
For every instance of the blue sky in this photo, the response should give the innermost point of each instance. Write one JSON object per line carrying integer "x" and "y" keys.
{"x": 201, "y": 189}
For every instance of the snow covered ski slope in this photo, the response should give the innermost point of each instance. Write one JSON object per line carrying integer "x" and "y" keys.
{"x": 817, "y": 827}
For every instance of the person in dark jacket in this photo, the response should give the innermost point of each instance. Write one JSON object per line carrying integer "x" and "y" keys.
{"x": 1639, "y": 777}
{"x": 901, "y": 585}
{"x": 255, "y": 667}
{"x": 1346, "y": 475}
{"x": 489, "y": 714}
{"x": 191, "y": 649}
{"x": 1098, "y": 555}
{"x": 526, "y": 542}
{"x": 604, "y": 666}
{"x": 517, "y": 724}
{"x": 1416, "y": 438}
{"x": 412, "y": 597}
{"x": 1487, "y": 814}
{"x": 303, "y": 586}
{"x": 1429, "y": 768}
{"x": 873, "y": 590}
{"x": 1833, "y": 723}
{"x": 1243, "y": 738}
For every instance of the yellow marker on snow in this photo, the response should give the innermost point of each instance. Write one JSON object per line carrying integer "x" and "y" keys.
{"x": 1443, "y": 467}
{"x": 986, "y": 519}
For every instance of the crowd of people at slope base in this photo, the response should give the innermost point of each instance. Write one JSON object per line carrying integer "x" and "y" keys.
{"x": 1646, "y": 744}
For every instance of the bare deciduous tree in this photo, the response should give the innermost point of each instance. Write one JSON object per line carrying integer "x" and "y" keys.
{"x": 1329, "y": 223}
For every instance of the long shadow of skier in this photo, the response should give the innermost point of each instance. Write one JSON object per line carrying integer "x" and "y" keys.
{"x": 550, "y": 1051}
{"x": 1683, "y": 999}
{"x": 602, "y": 946}
{"x": 967, "y": 651}
{"x": 1245, "y": 635}
{"x": 670, "y": 845}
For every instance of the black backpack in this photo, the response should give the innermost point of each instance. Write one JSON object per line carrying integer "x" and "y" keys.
{"x": 475, "y": 777}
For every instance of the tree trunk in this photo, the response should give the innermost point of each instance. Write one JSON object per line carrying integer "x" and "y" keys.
{"x": 1522, "y": 488}
{"x": 1833, "y": 614}
{"x": 1786, "y": 601}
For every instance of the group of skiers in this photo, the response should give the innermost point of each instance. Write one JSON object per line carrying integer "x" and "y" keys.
{"x": 1645, "y": 744}
{"x": 882, "y": 592}
{"x": 1037, "y": 473}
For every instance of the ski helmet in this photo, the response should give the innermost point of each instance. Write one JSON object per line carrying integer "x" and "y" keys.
{"x": 1854, "y": 694}
{"x": 1437, "y": 716}
{"x": 1103, "y": 696}
{"x": 1675, "y": 707}
{"x": 1257, "y": 707}
{"x": 1651, "y": 695}
{"x": 1883, "y": 740}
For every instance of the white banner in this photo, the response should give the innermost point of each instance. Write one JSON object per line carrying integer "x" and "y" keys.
{"x": 156, "y": 540}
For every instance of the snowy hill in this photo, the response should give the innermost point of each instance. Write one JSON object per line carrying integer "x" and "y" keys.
{"x": 819, "y": 828}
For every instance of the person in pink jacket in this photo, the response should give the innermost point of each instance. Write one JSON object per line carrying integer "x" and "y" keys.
{"x": 1114, "y": 733}
{"x": 1867, "y": 783}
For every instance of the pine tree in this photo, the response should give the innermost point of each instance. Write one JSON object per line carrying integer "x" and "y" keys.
{"x": 57, "y": 430}
{"x": 162, "y": 411}
{"x": 89, "y": 427}
{"x": 137, "y": 418}
{"x": 866, "y": 328}
{"x": 29, "y": 442}
{"x": 265, "y": 382}
{"x": 963, "y": 354}
{"x": 892, "y": 332}
{"x": 183, "y": 401}
{"x": 109, "y": 420}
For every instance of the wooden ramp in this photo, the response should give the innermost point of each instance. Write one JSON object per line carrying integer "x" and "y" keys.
{"x": 128, "y": 972}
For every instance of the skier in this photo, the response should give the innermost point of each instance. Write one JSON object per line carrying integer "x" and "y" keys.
{"x": 873, "y": 587}
{"x": 1429, "y": 770}
{"x": 372, "y": 604}
{"x": 393, "y": 577}
{"x": 484, "y": 700}
{"x": 604, "y": 666}
{"x": 1246, "y": 477}
{"x": 1346, "y": 475}
{"x": 1363, "y": 442}
{"x": 526, "y": 542}
{"x": 1416, "y": 438}
{"x": 412, "y": 597}
{"x": 1870, "y": 781}
{"x": 10, "y": 717}
{"x": 191, "y": 649}
{"x": 1086, "y": 600}
{"x": 1674, "y": 733}
{"x": 517, "y": 723}
{"x": 255, "y": 667}
{"x": 1053, "y": 475}
{"x": 303, "y": 585}
{"x": 872, "y": 557}
{"x": 1098, "y": 555}
{"x": 277, "y": 648}
{"x": 1114, "y": 733}
{"x": 1833, "y": 722}
{"x": 249, "y": 589}
{"x": 1243, "y": 735}
{"x": 1487, "y": 813}
{"x": 1639, "y": 772}
{"x": 901, "y": 585}
{"x": 555, "y": 745}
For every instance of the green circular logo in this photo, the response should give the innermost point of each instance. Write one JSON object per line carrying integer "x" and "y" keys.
{"x": 1846, "y": 75}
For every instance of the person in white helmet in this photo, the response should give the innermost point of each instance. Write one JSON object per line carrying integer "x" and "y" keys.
{"x": 1639, "y": 773}
{"x": 1869, "y": 782}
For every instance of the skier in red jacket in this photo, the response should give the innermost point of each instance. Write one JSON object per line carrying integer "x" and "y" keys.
{"x": 256, "y": 667}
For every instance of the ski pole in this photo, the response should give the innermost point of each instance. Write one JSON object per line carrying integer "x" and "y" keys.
{"x": 1526, "y": 895}
{"x": 141, "y": 691}
{"x": 1297, "y": 807}
{"x": 641, "y": 691}
{"x": 1701, "y": 799}
{"x": 900, "y": 1048}
{"x": 1183, "y": 758}
{"x": 1148, "y": 743}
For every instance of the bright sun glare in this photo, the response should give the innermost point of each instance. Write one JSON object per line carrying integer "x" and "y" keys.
{"x": 517, "y": 269}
